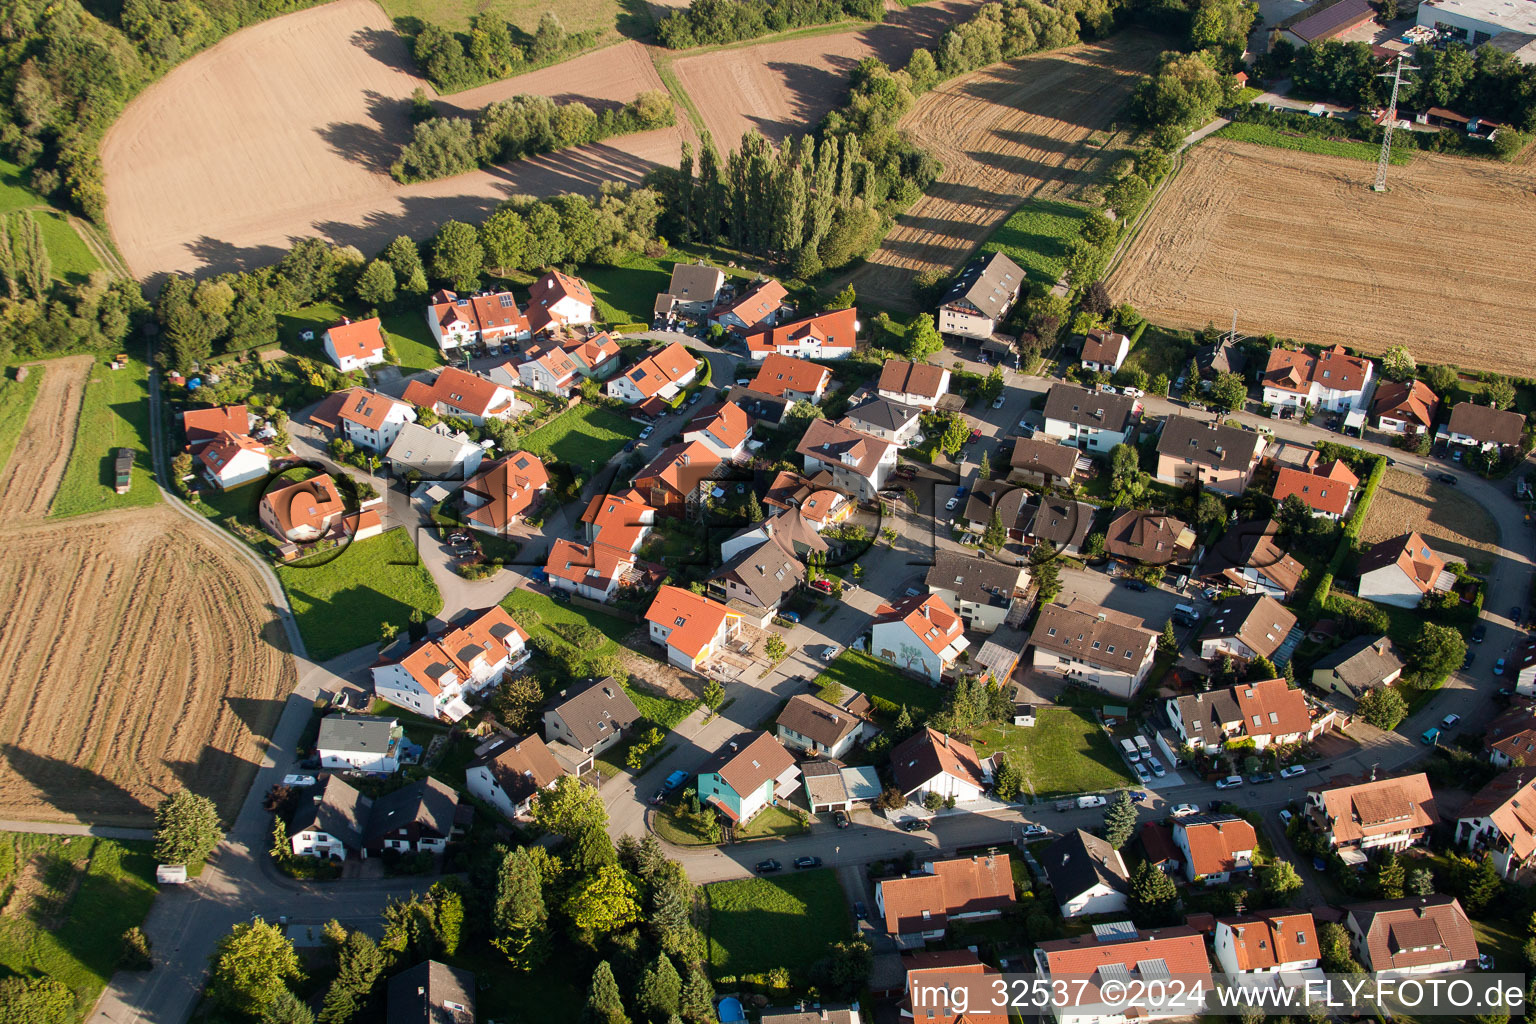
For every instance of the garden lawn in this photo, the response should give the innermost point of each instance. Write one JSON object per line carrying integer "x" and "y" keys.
{"x": 1264, "y": 135}
{"x": 1159, "y": 351}
{"x": 770, "y": 821}
{"x": 857, "y": 671}
{"x": 1064, "y": 752}
{"x": 113, "y": 415}
{"x": 626, "y": 294}
{"x": 585, "y": 437}
{"x": 72, "y": 260}
{"x": 71, "y": 934}
{"x": 1037, "y": 234}
{"x": 16, "y": 399}
{"x": 757, "y": 924}
{"x": 342, "y": 604}
{"x": 412, "y": 341}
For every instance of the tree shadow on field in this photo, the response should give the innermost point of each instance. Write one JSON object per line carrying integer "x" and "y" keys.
{"x": 218, "y": 256}
{"x": 635, "y": 20}
{"x": 388, "y": 48}
{"x": 258, "y": 714}
{"x": 71, "y": 789}
{"x": 219, "y": 775}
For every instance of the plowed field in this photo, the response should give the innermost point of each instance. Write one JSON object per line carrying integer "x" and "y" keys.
{"x": 1004, "y": 134}
{"x": 1300, "y": 246}
{"x": 139, "y": 657}
{"x": 287, "y": 128}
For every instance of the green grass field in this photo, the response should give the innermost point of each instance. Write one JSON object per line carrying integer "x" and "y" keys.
{"x": 1264, "y": 135}
{"x": 412, "y": 341}
{"x": 78, "y": 895}
{"x": 114, "y": 414}
{"x": 585, "y": 437}
{"x": 342, "y": 604}
{"x": 1064, "y": 752}
{"x": 856, "y": 671}
{"x": 16, "y": 399}
{"x": 72, "y": 260}
{"x": 627, "y": 294}
{"x": 758, "y": 924}
{"x": 14, "y": 194}
{"x": 575, "y": 15}
{"x": 1036, "y": 236}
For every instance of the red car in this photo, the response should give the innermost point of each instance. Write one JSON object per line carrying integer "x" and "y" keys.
{"x": 975, "y": 435}
{"x": 822, "y": 586}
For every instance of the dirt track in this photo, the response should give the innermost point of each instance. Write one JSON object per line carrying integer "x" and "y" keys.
{"x": 1003, "y": 134}
{"x": 287, "y": 128}
{"x": 1300, "y": 246}
{"x": 139, "y": 657}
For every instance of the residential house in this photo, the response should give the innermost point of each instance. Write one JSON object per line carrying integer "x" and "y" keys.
{"x": 1246, "y": 628}
{"x": 1484, "y": 426}
{"x": 1214, "y": 846}
{"x": 793, "y": 379}
{"x": 831, "y": 335}
{"x": 930, "y": 761}
{"x": 371, "y": 420}
{"x": 765, "y": 411}
{"x": 791, "y": 528}
{"x": 1087, "y": 875}
{"x": 825, "y": 788}
{"x": 980, "y": 296}
{"x": 431, "y": 993}
{"x": 671, "y": 484}
{"x": 435, "y": 676}
{"x": 859, "y": 463}
{"x": 415, "y": 819}
{"x": 329, "y": 824}
{"x": 811, "y": 724}
{"x": 981, "y": 590}
{"x": 1042, "y": 463}
{"x": 467, "y": 396}
{"x": 1249, "y": 558}
{"x": 1500, "y": 820}
{"x": 1511, "y": 736}
{"x": 1208, "y": 452}
{"x": 1268, "y": 712}
{"x": 1333, "y": 380}
{"x": 1158, "y": 848}
{"x": 1404, "y": 407}
{"x": 620, "y": 521}
{"x": 353, "y": 346}
{"x": 1410, "y": 936}
{"x": 203, "y": 426}
{"x": 692, "y": 292}
{"x": 232, "y": 460}
{"x": 920, "y": 634}
{"x": 758, "y": 306}
{"x": 1400, "y": 571}
{"x": 592, "y": 718}
{"x": 1356, "y": 817}
{"x": 917, "y": 384}
{"x": 887, "y": 420}
{"x": 818, "y": 1014}
{"x": 558, "y": 300}
{"x": 1327, "y": 490}
{"x": 1010, "y": 503}
{"x": 920, "y": 907}
{"x": 560, "y": 366}
{"x": 509, "y": 773}
{"x": 747, "y": 774}
{"x": 1105, "y": 649}
{"x": 723, "y": 428}
{"x": 818, "y": 503}
{"x": 434, "y": 453}
{"x": 1222, "y": 357}
{"x": 928, "y": 980}
{"x": 756, "y": 581}
{"x": 1119, "y": 952}
{"x": 503, "y": 491}
{"x": 303, "y": 511}
{"x": 1058, "y": 524}
{"x": 363, "y": 743}
{"x": 1090, "y": 420}
{"x": 1104, "y": 351}
{"x": 692, "y": 628}
{"x": 1266, "y": 942}
{"x": 1359, "y": 666}
{"x": 593, "y": 571}
{"x": 497, "y": 318}
{"x": 489, "y": 317}
{"x": 1149, "y": 537}
{"x": 660, "y": 375}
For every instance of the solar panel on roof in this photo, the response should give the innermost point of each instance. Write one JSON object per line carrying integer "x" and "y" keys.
{"x": 506, "y": 301}
{"x": 1155, "y": 968}
{"x": 1114, "y": 972}
{"x": 1114, "y": 931}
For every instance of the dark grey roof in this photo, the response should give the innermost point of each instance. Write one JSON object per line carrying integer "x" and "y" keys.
{"x": 1078, "y": 861}
{"x": 429, "y": 994}
{"x": 1214, "y": 707}
{"x": 769, "y": 570}
{"x": 358, "y": 733}
{"x": 1222, "y": 357}
{"x": 989, "y": 282}
{"x": 824, "y": 1015}
{"x": 1086, "y": 408}
{"x": 1208, "y": 442}
{"x": 593, "y": 713}
{"x": 427, "y": 802}
{"x": 1060, "y": 521}
{"x": 977, "y": 580}
{"x": 338, "y": 810}
{"x": 1258, "y": 620}
{"x": 759, "y": 406}
{"x": 1364, "y": 662}
{"x": 1331, "y": 21}
{"x": 882, "y": 413}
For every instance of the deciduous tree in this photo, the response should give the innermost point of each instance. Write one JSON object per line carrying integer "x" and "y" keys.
{"x": 250, "y": 966}
{"x": 923, "y": 338}
{"x": 186, "y": 828}
{"x": 1279, "y": 879}
{"x": 604, "y": 903}
{"x": 457, "y": 255}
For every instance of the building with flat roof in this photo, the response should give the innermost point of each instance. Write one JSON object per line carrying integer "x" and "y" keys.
{"x": 1476, "y": 22}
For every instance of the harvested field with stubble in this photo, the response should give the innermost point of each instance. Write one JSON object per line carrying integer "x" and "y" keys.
{"x": 287, "y": 128}
{"x": 1454, "y": 524}
{"x": 42, "y": 452}
{"x": 1299, "y": 246}
{"x": 1011, "y": 132}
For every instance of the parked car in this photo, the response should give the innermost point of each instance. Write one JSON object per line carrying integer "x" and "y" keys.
{"x": 1157, "y": 766}
{"x": 1293, "y": 771}
{"x": 1133, "y": 392}
{"x": 1259, "y": 778}
{"x": 829, "y": 652}
{"x": 1429, "y": 737}
{"x": 1184, "y": 810}
{"x": 950, "y": 505}
{"x": 1466, "y": 662}
{"x": 790, "y": 617}
{"x": 1446, "y": 478}
{"x": 1285, "y": 817}
{"x": 1132, "y": 583}
{"x": 1230, "y": 782}
{"x": 675, "y": 780}
{"x": 1514, "y": 615}
{"x": 997, "y": 403}
{"x": 1093, "y": 800}
{"x": 975, "y": 436}
{"x": 914, "y": 825}
{"x": 822, "y": 586}
{"x": 1142, "y": 772}
{"x": 1033, "y": 831}
{"x": 1138, "y": 797}
{"x": 802, "y": 863}
{"x": 841, "y": 819}
{"x": 860, "y": 911}
{"x": 1318, "y": 864}
{"x": 768, "y": 866}
{"x": 298, "y": 780}
{"x": 1498, "y": 667}
{"x": 1449, "y": 721}
{"x": 1479, "y": 632}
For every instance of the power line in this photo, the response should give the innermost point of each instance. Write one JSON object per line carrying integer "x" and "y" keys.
{"x": 1386, "y": 137}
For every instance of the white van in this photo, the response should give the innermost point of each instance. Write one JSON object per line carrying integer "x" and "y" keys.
{"x": 1091, "y": 801}
{"x": 1143, "y": 746}
{"x": 1185, "y": 614}
{"x": 1131, "y": 752}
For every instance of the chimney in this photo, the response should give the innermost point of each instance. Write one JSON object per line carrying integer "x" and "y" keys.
{"x": 946, "y": 740}
{"x": 733, "y": 745}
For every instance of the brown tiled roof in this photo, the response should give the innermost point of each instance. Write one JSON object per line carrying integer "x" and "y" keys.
{"x": 1157, "y": 843}
{"x": 1093, "y": 409}
{"x": 1486, "y": 424}
{"x": 1251, "y": 544}
{"x": 1509, "y": 801}
{"x": 1060, "y": 521}
{"x": 1264, "y": 941}
{"x": 596, "y": 711}
{"x": 966, "y": 885}
{"x": 1418, "y": 561}
{"x": 1411, "y": 401}
{"x": 1214, "y": 843}
{"x": 1102, "y": 346}
{"x": 1258, "y": 620}
{"x": 467, "y": 391}
{"x": 758, "y": 303}
{"x": 817, "y": 720}
{"x": 1513, "y": 733}
{"x": 508, "y": 486}
{"x": 1364, "y": 810}
{"x": 1209, "y": 443}
{"x": 1413, "y": 932}
{"x": 1099, "y": 636}
{"x": 929, "y": 753}
{"x": 829, "y": 442}
{"x": 1364, "y": 662}
{"x": 921, "y": 379}
{"x": 753, "y": 761}
{"x": 1045, "y": 457}
{"x": 1147, "y": 535}
{"x": 681, "y": 467}
{"x": 987, "y": 282}
{"x": 521, "y": 767}
{"x": 1333, "y": 368}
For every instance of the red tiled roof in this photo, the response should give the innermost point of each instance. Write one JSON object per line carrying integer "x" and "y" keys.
{"x": 756, "y": 304}
{"x": 830, "y": 330}
{"x": 1266, "y": 940}
{"x": 921, "y": 379}
{"x": 1411, "y": 401}
{"x": 469, "y": 392}
{"x": 779, "y": 374}
{"x": 1326, "y": 490}
{"x": 729, "y": 425}
{"x": 594, "y": 565}
{"x": 217, "y": 453}
{"x": 965, "y": 885}
{"x": 1272, "y": 708}
{"x": 367, "y": 408}
{"x": 304, "y": 504}
{"x": 498, "y": 312}
{"x": 509, "y": 485}
{"x": 1334, "y": 369}
{"x": 928, "y": 617}
{"x": 358, "y": 338}
{"x": 1418, "y": 561}
{"x": 680, "y": 468}
{"x": 1384, "y": 807}
{"x": 693, "y": 619}
{"x": 203, "y": 425}
{"x": 1213, "y": 845}
{"x": 1181, "y": 949}
{"x": 925, "y": 970}
{"x": 486, "y": 640}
